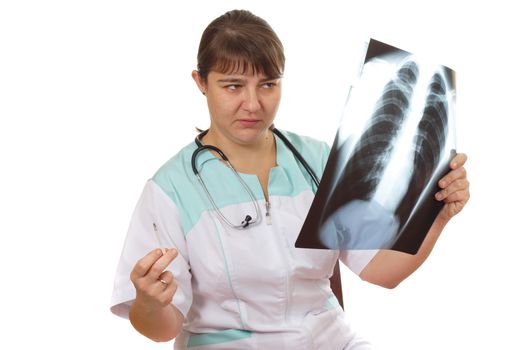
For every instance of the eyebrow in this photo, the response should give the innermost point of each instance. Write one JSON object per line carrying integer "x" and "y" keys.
{"x": 230, "y": 80}
{"x": 238, "y": 80}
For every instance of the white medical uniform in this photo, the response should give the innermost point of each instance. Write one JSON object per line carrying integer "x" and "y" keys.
{"x": 241, "y": 289}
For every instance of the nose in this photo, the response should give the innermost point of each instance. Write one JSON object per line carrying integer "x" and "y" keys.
{"x": 251, "y": 101}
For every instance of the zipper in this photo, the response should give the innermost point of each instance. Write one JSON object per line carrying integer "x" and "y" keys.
{"x": 268, "y": 216}
{"x": 282, "y": 245}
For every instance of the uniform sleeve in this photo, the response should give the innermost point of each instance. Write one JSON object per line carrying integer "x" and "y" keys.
{"x": 356, "y": 260}
{"x": 154, "y": 209}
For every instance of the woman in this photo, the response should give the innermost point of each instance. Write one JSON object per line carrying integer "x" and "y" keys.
{"x": 231, "y": 278}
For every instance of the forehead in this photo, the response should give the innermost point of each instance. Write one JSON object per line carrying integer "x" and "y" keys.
{"x": 234, "y": 76}
{"x": 245, "y": 66}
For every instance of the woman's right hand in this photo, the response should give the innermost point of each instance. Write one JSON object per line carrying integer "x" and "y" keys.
{"x": 155, "y": 287}
{"x": 152, "y": 313}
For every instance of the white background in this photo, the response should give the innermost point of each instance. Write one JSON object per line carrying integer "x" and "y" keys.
{"x": 96, "y": 95}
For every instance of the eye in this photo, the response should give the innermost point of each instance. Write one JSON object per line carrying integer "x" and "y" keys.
{"x": 232, "y": 87}
{"x": 269, "y": 85}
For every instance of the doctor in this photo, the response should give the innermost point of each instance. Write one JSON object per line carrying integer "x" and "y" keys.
{"x": 229, "y": 276}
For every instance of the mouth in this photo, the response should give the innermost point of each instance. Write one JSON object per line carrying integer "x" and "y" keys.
{"x": 248, "y": 122}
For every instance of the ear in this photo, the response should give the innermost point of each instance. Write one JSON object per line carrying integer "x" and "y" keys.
{"x": 199, "y": 81}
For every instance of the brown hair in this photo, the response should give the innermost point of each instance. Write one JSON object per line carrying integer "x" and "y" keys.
{"x": 238, "y": 41}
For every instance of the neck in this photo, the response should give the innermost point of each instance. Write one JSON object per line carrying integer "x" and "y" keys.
{"x": 247, "y": 158}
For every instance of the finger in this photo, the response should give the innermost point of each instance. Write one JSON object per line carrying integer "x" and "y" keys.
{"x": 142, "y": 266}
{"x": 460, "y": 197}
{"x": 164, "y": 288}
{"x": 455, "y": 207}
{"x": 162, "y": 285}
{"x": 171, "y": 290}
{"x": 165, "y": 297}
{"x": 166, "y": 277}
{"x": 159, "y": 285}
{"x": 452, "y": 176}
{"x": 457, "y": 185}
{"x": 160, "y": 265}
{"x": 458, "y": 161}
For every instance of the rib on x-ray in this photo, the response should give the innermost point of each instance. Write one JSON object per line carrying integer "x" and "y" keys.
{"x": 429, "y": 144}
{"x": 372, "y": 152}
{"x": 378, "y": 186}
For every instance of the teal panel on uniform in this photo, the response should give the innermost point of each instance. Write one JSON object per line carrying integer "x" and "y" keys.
{"x": 178, "y": 181}
{"x": 332, "y": 303}
{"x": 218, "y": 338}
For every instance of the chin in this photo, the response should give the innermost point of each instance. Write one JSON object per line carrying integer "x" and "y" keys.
{"x": 246, "y": 139}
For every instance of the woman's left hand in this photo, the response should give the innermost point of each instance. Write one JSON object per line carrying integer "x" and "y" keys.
{"x": 454, "y": 189}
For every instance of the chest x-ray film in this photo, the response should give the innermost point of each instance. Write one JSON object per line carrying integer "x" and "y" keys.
{"x": 394, "y": 143}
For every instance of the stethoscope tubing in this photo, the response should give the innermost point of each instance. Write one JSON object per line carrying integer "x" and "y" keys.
{"x": 298, "y": 156}
{"x": 248, "y": 219}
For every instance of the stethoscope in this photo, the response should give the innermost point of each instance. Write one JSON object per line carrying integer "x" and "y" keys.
{"x": 248, "y": 220}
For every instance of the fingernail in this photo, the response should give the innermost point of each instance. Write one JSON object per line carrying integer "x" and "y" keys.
{"x": 438, "y": 196}
{"x": 454, "y": 164}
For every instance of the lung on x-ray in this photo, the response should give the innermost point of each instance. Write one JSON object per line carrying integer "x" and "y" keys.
{"x": 394, "y": 143}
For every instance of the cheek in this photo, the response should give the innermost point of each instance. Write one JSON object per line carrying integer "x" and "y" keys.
{"x": 273, "y": 104}
{"x": 221, "y": 107}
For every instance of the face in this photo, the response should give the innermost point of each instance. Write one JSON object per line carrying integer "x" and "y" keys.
{"x": 242, "y": 106}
